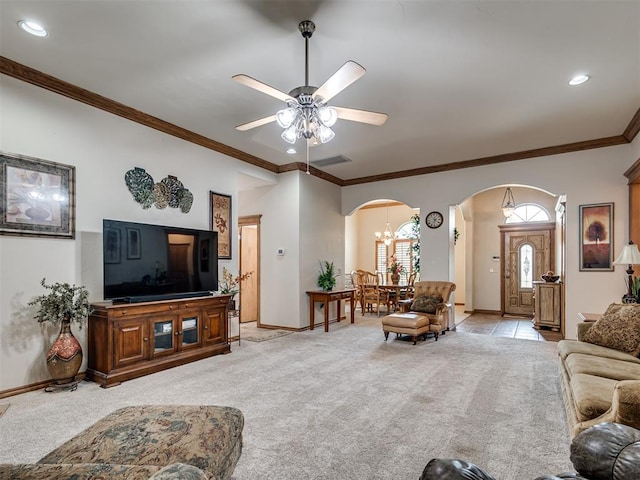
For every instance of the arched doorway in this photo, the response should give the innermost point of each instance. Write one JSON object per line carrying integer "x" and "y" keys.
{"x": 479, "y": 255}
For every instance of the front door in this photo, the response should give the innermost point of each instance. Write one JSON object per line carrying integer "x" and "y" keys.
{"x": 527, "y": 253}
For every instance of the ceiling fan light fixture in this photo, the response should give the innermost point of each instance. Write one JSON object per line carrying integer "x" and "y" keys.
{"x": 286, "y": 117}
{"x": 290, "y": 134}
{"x": 328, "y": 116}
{"x": 325, "y": 134}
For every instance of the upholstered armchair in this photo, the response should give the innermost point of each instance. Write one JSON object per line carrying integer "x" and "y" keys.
{"x": 428, "y": 312}
{"x": 426, "y": 301}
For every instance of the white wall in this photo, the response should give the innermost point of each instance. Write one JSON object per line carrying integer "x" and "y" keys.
{"x": 460, "y": 258}
{"x": 102, "y": 147}
{"x": 591, "y": 176}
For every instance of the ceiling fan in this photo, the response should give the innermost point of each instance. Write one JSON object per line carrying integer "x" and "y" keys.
{"x": 307, "y": 114}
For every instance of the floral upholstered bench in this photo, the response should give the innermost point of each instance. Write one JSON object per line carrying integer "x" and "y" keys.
{"x": 141, "y": 442}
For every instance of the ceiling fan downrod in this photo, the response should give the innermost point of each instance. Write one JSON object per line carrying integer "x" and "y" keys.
{"x": 306, "y": 27}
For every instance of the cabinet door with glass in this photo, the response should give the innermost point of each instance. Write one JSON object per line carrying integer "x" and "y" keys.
{"x": 165, "y": 335}
{"x": 189, "y": 324}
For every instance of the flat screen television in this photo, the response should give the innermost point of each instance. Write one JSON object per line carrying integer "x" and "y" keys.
{"x": 144, "y": 262}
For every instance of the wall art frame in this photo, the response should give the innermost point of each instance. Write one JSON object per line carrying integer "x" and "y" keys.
{"x": 596, "y": 237}
{"x": 221, "y": 222}
{"x": 37, "y": 197}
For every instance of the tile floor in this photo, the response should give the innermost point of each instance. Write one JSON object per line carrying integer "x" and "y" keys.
{"x": 496, "y": 325}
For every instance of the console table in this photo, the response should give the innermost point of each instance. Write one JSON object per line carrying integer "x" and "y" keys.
{"x": 326, "y": 298}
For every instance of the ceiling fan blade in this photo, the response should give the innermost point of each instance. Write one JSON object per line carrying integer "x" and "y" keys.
{"x": 256, "y": 123}
{"x": 363, "y": 116}
{"x": 345, "y": 76}
{"x": 262, "y": 87}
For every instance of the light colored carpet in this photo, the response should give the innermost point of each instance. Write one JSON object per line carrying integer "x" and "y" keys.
{"x": 344, "y": 405}
{"x": 3, "y": 408}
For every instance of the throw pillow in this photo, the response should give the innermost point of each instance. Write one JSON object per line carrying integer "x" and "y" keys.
{"x": 618, "y": 328}
{"x": 426, "y": 303}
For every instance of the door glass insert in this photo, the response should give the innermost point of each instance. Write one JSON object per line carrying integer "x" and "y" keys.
{"x": 526, "y": 266}
{"x": 190, "y": 330}
{"x": 163, "y": 335}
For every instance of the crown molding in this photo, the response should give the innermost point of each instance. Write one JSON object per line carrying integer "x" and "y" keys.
{"x": 40, "y": 79}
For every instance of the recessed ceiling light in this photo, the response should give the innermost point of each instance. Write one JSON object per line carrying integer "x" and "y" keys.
{"x": 291, "y": 151}
{"x": 33, "y": 28}
{"x": 579, "y": 79}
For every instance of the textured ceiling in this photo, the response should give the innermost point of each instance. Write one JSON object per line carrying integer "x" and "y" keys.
{"x": 459, "y": 80}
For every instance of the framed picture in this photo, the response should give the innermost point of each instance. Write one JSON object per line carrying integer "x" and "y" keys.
{"x": 133, "y": 244}
{"x": 37, "y": 197}
{"x": 596, "y": 237}
{"x": 112, "y": 245}
{"x": 221, "y": 222}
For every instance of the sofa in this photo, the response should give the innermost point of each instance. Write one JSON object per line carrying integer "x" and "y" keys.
{"x": 158, "y": 442}
{"x": 600, "y": 372}
{"x": 607, "y": 451}
{"x": 427, "y": 312}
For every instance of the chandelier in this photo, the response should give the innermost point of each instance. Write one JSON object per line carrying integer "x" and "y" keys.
{"x": 387, "y": 236}
{"x": 508, "y": 203}
{"x": 307, "y": 118}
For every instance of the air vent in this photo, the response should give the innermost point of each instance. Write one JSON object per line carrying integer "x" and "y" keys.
{"x": 325, "y": 162}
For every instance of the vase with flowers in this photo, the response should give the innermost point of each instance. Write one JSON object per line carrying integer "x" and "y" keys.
{"x": 63, "y": 304}
{"x": 396, "y": 269}
{"x": 230, "y": 285}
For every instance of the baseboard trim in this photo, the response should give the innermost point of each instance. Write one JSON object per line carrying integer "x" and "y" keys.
{"x": 486, "y": 312}
{"x": 33, "y": 387}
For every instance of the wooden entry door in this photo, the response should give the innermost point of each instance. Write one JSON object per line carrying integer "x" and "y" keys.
{"x": 528, "y": 252}
{"x": 250, "y": 262}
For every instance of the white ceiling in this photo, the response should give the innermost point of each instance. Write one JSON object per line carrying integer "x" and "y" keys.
{"x": 459, "y": 80}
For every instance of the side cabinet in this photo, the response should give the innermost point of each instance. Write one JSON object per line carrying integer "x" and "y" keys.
{"x": 128, "y": 341}
{"x": 547, "y": 305}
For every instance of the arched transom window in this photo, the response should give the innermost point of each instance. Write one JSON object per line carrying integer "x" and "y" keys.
{"x": 528, "y": 212}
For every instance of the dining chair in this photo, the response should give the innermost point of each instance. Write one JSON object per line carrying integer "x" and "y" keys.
{"x": 371, "y": 293}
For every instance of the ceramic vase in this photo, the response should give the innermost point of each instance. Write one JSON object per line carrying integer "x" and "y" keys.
{"x": 65, "y": 355}
{"x": 395, "y": 278}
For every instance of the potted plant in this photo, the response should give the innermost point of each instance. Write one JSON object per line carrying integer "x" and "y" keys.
{"x": 231, "y": 285}
{"x": 327, "y": 276}
{"x": 396, "y": 269}
{"x": 63, "y": 304}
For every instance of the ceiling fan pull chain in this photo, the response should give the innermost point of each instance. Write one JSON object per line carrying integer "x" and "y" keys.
{"x": 308, "y": 140}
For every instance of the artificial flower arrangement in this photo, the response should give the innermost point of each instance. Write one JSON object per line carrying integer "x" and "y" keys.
{"x": 395, "y": 267}
{"x": 230, "y": 284}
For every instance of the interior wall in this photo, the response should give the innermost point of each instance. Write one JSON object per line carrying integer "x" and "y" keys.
{"x": 460, "y": 259}
{"x": 590, "y": 176}
{"x": 102, "y": 147}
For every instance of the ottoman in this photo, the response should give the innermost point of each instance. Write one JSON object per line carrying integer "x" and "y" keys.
{"x": 207, "y": 437}
{"x": 412, "y": 324}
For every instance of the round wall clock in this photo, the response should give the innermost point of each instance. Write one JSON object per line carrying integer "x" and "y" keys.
{"x": 434, "y": 219}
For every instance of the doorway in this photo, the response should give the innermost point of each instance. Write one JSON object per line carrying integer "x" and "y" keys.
{"x": 527, "y": 253}
{"x": 249, "y": 227}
